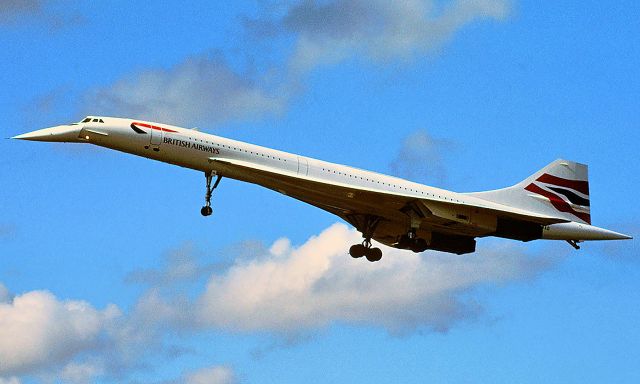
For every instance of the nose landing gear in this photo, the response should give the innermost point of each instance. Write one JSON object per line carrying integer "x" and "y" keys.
{"x": 206, "y": 210}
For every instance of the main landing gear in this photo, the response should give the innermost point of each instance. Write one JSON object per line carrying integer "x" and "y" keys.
{"x": 364, "y": 249}
{"x": 367, "y": 228}
{"x": 412, "y": 242}
{"x": 207, "y": 210}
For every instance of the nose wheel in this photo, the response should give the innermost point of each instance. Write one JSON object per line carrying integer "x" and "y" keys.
{"x": 206, "y": 210}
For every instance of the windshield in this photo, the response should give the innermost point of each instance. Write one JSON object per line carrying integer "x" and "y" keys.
{"x": 92, "y": 119}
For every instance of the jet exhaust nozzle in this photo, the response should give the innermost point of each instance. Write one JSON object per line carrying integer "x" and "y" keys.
{"x": 60, "y": 133}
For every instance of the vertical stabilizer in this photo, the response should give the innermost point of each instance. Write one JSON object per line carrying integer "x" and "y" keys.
{"x": 561, "y": 189}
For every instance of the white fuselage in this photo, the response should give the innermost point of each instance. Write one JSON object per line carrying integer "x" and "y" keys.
{"x": 194, "y": 149}
{"x": 205, "y": 152}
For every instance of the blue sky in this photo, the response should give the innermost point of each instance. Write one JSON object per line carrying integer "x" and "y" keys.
{"x": 105, "y": 261}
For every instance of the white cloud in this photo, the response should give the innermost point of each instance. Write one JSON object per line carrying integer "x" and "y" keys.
{"x": 37, "y": 330}
{"x": 10, "y": 380}
{"x": 54, "y": 14}
{"x": 212, "y": 375}
{"x": 5, "y": 295}
{"x": 80, "y": 373}
{"x": 179, "y": 265}
{"x": 280, "y": 247}
{"x": 316, "y": 284}
{"x": 205, "y": 89}
{"x": 329, "y": 32}
{"x": 217, "y": 374}
{"x": 200, "y": 89}
{"x": 287, "y": 290}
{"x": 6, "y": 231}
{"x": 10, "y": 10}
{"x": 421, "y": 158}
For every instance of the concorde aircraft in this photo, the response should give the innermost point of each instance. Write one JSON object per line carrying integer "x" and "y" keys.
{"x": 553, "y": 203}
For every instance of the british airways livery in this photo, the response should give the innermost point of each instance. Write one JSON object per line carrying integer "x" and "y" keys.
{"x": 553, "y": 203}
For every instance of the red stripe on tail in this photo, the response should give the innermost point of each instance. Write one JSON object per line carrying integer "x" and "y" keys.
{"x": 557, "y": 202}
{"x": 578, "y": 185}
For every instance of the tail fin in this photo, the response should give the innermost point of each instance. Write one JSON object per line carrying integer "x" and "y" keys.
{"x": 561, "y": 189}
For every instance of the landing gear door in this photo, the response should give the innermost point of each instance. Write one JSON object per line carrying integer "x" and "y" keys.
{"x": 303, "y": 166}
{"x": 156, "y": 136}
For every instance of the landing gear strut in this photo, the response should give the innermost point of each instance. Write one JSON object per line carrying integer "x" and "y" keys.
{"x": 365, "y": 249}
{"x": 574, "y": 243}
{"x": 207, "y": 210}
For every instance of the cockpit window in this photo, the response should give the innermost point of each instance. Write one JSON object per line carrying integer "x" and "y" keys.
{"x": 92, "y": 119}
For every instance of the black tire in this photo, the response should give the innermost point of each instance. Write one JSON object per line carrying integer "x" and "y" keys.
{"x": 419, "y": 245}
{"x": 357, "y": 251}
{"x": 374, "y": 254}
{"x": 404, "y": 242}
{"x": 206, "y": 211}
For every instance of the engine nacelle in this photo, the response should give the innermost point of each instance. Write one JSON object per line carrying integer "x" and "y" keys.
{"x": 518, "y": 230}
{"x": 452, "y": 243}
{"x": 438, "y": 242}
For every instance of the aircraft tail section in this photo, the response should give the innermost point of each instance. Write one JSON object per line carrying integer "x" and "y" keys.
{"x": 561, "y": 189}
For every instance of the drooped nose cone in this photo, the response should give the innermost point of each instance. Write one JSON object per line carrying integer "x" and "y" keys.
{"x": 60, "y": 133}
